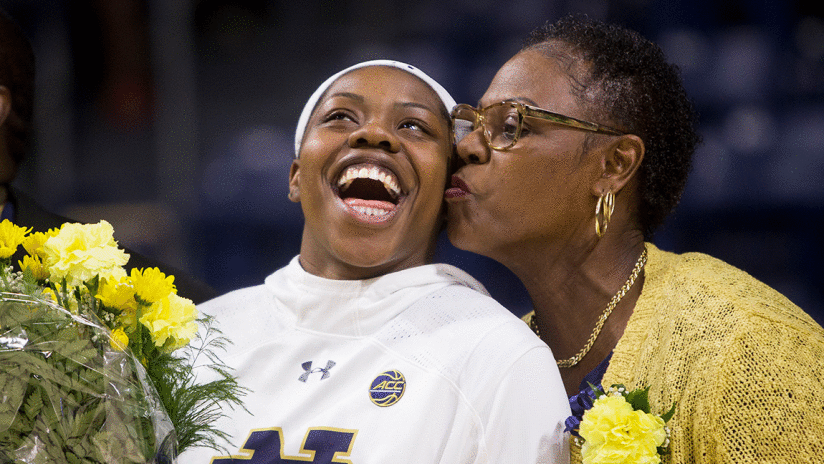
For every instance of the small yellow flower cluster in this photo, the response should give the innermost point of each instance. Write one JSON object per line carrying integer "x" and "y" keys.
{"x": 614, "y": 432}
{"x": 149, "y": 297}
{"x": 73, "y": 296}
{"x": 86, "y": 258}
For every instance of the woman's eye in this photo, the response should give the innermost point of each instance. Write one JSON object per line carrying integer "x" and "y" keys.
{"x": 414, "y": 125}
{"x": 338, "y": 116}
{"x": 509, "y": 128}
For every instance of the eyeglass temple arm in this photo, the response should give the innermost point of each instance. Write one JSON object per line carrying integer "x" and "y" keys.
{"x": 568, "y": 121}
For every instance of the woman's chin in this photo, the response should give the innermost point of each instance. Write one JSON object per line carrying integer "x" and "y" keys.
{"x": 463, "y": 237}
{"x": 368, "y": 262}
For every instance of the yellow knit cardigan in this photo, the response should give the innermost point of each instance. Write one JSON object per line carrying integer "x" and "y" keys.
{"x": 744, "y": 365}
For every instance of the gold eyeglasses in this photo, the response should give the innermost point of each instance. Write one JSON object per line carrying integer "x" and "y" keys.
{"x": 502, "y": 122}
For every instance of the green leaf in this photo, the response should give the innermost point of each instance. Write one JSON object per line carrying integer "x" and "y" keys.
{"x": 598, "y": 391}
{"x": 639, "y": 399}
{"x": 668, "y": 415}
{"x": 13, "y": 389}
{"x": 34, "y": 403}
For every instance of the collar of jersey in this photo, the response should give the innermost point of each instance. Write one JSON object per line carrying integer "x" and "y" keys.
{"x": 357, "y": 307}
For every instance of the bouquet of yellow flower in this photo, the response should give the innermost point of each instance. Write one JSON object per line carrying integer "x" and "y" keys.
{"x": 95, "y": 364}
{"x": 617, "y": 426}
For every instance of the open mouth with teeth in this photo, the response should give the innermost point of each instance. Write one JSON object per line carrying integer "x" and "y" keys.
{"x": 372, "y": 192}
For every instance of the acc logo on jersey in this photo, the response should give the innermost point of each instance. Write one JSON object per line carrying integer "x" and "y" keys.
{"x": 387, "y": 388}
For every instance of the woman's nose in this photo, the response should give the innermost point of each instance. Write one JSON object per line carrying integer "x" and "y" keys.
{"x": 373, "y": 134}
{"x": 472, "y": 149}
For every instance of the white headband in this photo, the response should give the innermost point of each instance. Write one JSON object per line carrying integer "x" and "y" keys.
{"x": 447, "y": 99}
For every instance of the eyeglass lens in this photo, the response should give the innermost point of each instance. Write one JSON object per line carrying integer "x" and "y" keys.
{"x": 500, "y": 123}
{"x": 463, "y": 124}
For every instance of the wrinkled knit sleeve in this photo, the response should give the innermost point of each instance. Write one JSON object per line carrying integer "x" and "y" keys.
{"x": 765, "y": 401}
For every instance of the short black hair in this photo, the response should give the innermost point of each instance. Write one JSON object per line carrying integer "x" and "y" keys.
{"x": 642, "y": 93}
{"x": 17, "y": 74}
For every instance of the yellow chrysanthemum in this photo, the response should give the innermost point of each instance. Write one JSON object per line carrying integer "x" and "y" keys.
{"x": 35, "y": 266}
{"x": 119, "y": 294}
{"x": 78, "y": 252}
{"x": 11, "y": 236}
{"x": 615, "y": 433}
{"x": 171, "y": 322}
{"x": 33, "y": 243}
{"x": 119, "y": 340}
{"x": 151, "y": 285}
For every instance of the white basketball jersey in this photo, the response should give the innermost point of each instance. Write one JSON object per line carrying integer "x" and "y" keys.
{"x": 417, "y": 366}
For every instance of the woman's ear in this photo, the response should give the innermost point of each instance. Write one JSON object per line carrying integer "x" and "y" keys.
{"x": 294, "y": 181}
{"x": 621, "y": 161}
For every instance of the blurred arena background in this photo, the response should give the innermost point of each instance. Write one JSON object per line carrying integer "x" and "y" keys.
{"x": 173, "y": 119}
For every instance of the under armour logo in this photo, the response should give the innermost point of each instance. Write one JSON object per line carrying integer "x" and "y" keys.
{"x": 307, "y": 366}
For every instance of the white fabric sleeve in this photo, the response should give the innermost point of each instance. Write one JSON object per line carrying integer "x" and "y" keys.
{"x": 529, "y": 407}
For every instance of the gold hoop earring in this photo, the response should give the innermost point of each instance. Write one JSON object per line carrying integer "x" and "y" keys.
{"x": 603, "y": 212}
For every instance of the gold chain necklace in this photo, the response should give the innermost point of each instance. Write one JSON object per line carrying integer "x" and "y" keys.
{"x": 533, "y": 324}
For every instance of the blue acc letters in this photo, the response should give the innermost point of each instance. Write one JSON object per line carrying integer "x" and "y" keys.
{"x": 322, "y": 445}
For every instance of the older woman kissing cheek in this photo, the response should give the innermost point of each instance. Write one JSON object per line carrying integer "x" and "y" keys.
{"x": 579, "y": 149}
